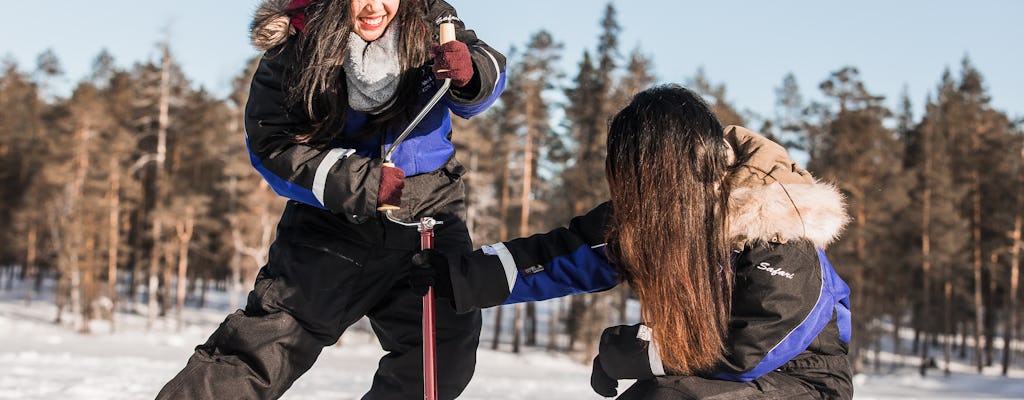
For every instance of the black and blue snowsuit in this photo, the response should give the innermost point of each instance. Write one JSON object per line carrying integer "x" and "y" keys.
{"x": 790, "y": 323}
{"x": 335, "y": 259}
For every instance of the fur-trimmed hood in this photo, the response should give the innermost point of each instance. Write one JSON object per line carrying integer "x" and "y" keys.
{"x": 773, "y": 200}
{"x": 272, "y": 23}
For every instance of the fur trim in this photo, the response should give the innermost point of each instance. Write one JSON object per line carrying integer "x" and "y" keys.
{"x": 780, "y": 213}
{"x": 271, "y": 25}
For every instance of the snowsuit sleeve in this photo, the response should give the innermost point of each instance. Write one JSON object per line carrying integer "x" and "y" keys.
{"x": 784, "y": 296}
{"x": 335, "y": 179}
{"x": 565, "y": 261}
{"x": 488, "y": 67}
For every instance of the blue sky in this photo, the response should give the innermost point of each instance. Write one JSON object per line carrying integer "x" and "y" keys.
{"x": 747, "y": 45}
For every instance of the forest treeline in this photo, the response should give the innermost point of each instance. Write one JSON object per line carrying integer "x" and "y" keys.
{"x": 135, "y": 193}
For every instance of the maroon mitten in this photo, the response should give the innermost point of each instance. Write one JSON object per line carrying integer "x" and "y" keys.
{"x": 392, "y": 181}
{"x": 452, "y": 60}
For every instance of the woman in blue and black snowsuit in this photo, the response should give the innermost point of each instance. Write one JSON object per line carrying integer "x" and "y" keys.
{"x": 721, "y": 236}
{"x": 338, "y": 82}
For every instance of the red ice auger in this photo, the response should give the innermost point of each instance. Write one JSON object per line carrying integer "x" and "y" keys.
{"x": 426, "y": 228}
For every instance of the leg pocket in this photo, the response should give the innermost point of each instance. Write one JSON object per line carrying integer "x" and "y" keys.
{"x": 314, "y": 282}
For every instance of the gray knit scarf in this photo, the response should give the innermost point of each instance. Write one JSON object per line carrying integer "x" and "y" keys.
{"x": 372, "y": 70}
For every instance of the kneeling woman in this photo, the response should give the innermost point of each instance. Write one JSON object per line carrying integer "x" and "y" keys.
{"x": 721, "y": 236}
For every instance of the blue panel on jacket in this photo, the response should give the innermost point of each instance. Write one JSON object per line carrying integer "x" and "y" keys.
{"x": 584, "y": 270}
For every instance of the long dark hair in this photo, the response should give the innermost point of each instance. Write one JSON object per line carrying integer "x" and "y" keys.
{"x": 320, "y": 85}
{"x": 666, "y": 168}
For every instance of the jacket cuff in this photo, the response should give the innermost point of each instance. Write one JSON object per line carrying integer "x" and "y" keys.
{"x": 485, "y": 69}
{"x": 653, "y": 352}
{"x": 478, "y": 281}
{"x": 352, "y": 186}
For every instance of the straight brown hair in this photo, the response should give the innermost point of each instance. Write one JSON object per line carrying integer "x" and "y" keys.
{"x": 319, "y": 84}
{"x": 667, "y": 160}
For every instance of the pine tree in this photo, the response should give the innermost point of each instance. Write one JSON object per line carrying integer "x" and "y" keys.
{"x": 860, "y": 154}
{"x": 789, "y": 114}
{"x": 715, "y": 95}
{"x": 119, "y": 146}
{"x": 23, "y": 154}
{"x": 1010, "y": 332}
{"x": 590, "y": 104}
{"x": 250, "y": 207}
{"x": 942, "y": 226}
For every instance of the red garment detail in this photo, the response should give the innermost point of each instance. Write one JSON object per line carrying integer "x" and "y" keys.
{"x": 452, "y": 60}
{"x": 392, "y": 181}
{"x": 298, "y": 13}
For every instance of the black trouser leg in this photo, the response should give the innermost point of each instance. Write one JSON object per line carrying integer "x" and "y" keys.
{"x": 400, "y": 372}
{"x": 323, "y": 274}
{"x": 397, "y": 321}
{"x": 300, "y": 303}
{"x": 239, "y": 363}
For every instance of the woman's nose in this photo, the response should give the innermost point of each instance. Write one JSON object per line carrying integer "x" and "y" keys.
{"x": 374, "y": 5}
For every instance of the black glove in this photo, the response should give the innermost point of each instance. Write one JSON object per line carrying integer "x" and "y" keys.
{"x": 603, "y": 384}
{"x": 623, "y": 354}
{"x": 430, "y": 268}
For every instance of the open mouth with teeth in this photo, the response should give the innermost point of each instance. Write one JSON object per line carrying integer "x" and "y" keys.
{"x": 371, "y": 23}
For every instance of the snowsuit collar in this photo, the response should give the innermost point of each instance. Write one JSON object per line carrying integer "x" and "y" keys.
{"x": 276, "y": 20}
{"x": 773, "y": 200}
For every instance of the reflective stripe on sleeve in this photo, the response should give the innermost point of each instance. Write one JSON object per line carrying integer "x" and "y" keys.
{"x": 507, "y": 262}
{"x": 653, "y": 353}
{"x": 320, "y": 179}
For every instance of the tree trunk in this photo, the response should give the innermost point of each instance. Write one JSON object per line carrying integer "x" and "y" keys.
{"x": 497, "y": 327}
{"x": 524, "y": 218}
{"x": 62, "y": 296}
{"x": 30, "y": 262}
{"x": 471, "y": 201}
{"x": 553, "y": 317}
{"x": 517, "y": 327}
{"x": 575, "y": 319}
{"x": 88, "y": 290}
{"x": 860, "y": 210}
{"x": 135, "y": 278}
{"x": 258, "y": 253}
{"x": 202, "y": 292}
{"x": 948, "y": 305}
{"x": 990, "y": 311}
{"x": 76, "y": 297}
{"x": 184, "y": 229}
{"x": 926, "y": 255}
{"x": 73, "y": 225}
{"x": 897, "y": 343}
{"x": 159, "y": 185}
{"x": 979, "y": 306}
{"x": 114, "y": 237}
{"x": 166, "y": 279}
{"x": 877, "y": 364}
{"x": 623, "y": 303}
{"x": 235, "y": 285}
{"x": 237, "y": 288}
{"x": 503, "y": 205}
{"x": 531, "y": 324}
{"x": 594, "y": 323}
{"x": 963, "y": 339}
{"x": 916, "y": 349}
{"x": 1011, "y": 307}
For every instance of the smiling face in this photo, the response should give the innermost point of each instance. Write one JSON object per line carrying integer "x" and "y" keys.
{"x": 371, "y": 17}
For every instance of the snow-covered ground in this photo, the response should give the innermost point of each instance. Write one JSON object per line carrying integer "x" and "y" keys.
{"x": 41, "y": 360}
